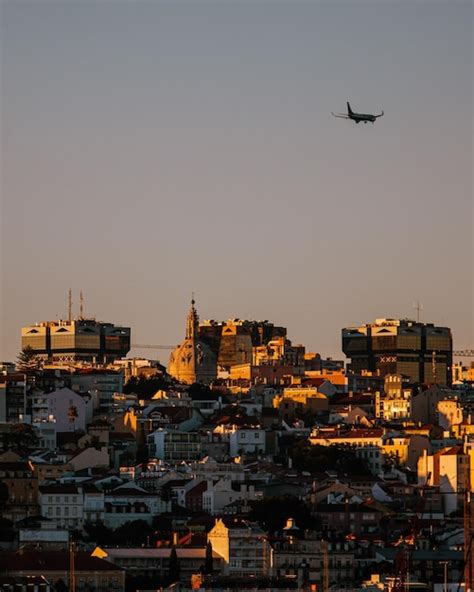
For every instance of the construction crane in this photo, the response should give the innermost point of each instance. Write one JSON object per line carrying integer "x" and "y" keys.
{"x": 151, "y": 346}
{"x": 458, "y": 353}
{"x": 403, "y": 557}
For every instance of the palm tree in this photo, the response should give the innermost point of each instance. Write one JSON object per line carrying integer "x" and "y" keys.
{"x": 72, "y": 416}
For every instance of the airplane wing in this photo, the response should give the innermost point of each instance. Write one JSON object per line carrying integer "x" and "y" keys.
{"x": 379, "y": 115}
{"x": 341, "y": 115}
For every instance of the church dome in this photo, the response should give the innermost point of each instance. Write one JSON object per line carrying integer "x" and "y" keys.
{"x": 193, "y": 361}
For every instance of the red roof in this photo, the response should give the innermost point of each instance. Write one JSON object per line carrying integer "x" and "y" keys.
{"x": 47, "y": 561}
{"x": 455, "y": 450}
{"x": 314, "y": 381}
{"x": 59, "y": 488}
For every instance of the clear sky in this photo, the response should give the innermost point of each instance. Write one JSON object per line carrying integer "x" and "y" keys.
{"x": 152, "y": 149}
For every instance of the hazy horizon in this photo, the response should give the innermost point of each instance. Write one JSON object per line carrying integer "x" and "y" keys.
{"x": 154, "y": 149}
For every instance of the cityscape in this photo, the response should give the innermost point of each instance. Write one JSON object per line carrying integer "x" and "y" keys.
{"x": 245, "y": 462}
{"x": 236, "y": 296}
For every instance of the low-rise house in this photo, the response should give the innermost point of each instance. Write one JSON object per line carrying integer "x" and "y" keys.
{"x": 243, "y": 546}
{"x": 48, "y": 467}
{"x": 89, "y": 458}
{"x": 209, "y": 468}
{"x": 100, "y": 383}
{"x": 298, "y": 400}
{"x": 392, "y": 407}
{"x": 306, "y": 556}
{"x": 54, "y": 566}
{"x": 194, "y": 495}
{"x": 42, "y": 533}
{"x": 355, "y": 518}
{"x": 174, "y": 446}
{"x": 122, "y": 447}
{"x": 154, "y": 563}
{"x": 46, "y": 431}
{"x": 224, "y": 492}
{"x": 128, "y": 502}
{"x": 449, "y": 413}
{"x": 12, "y": 397}
{"x": 367, "y": 443}
{"x": 21, "y": 481}
{"x": 63, "y": 504}
{"x": 244, "y": 439}
{"x": 424, "y": 405}
{"x": 357, "y": 438}
{"x": 350, "y": 415}
{"x": 94, "y": 503}
{"x": 69, "y": 410}
{"x": 450, "y": 469}
{"x": 215, "y": 445}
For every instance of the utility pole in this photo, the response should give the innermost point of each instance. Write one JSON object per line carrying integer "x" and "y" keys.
{"x": 81, "y": 308}
{"x": 468, "y": 556}
{"x": 445, "y": 564}
{"x": 325, "y": 586}
{"x": 72, "y": 575}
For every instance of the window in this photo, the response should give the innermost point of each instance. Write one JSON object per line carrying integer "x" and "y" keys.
{"x": 58, "y": 511}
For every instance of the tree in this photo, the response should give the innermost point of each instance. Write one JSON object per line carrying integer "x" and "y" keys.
{"x": 60, "y": 586}
{"x": 20, "y": 435}
{"x": 209, "y": 561}
{"x": 4, "y": 496}
{"x": 174, "y": 567}
{"x": 145, "y": 388}
{"x": 98, "y": 533}
{"x": 27, "y": 361}
{"x": 200, "y": 392}
{"x": 273, "y": 512}
{"x": 318, "y": 458}
{"x": 7, "y": 531}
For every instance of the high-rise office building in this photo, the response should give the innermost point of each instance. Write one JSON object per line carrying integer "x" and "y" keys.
{"x": 77, "y": 340}
{"x": 421, "y": 351}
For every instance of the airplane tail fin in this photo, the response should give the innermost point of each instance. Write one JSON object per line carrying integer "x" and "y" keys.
{"x": 349, "y": 110}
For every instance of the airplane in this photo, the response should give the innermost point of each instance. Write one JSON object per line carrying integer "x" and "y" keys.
{"x": 357, "y": 117}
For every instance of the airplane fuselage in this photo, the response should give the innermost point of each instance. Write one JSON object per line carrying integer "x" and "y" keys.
{"x": 362, "y": 117}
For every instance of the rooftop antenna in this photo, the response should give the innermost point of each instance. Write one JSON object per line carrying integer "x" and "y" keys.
{"x": 81, "y": 308}
{"x": 70, "y": 305}
{"x": 418, "y": 306}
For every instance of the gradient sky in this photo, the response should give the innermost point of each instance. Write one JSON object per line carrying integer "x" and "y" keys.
{"x": 152, "y": 149}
